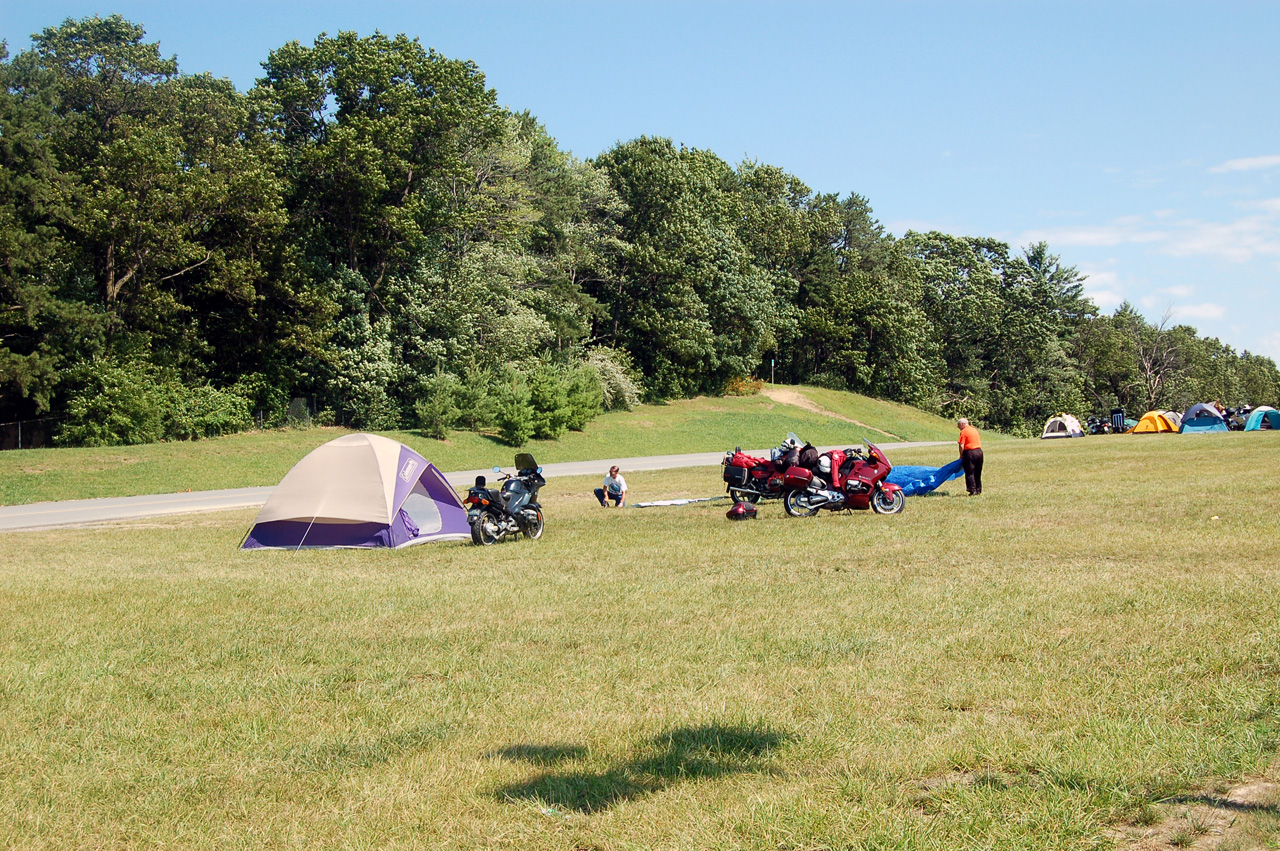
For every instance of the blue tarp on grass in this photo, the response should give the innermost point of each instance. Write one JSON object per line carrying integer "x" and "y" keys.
{"x": 917, "y": 480}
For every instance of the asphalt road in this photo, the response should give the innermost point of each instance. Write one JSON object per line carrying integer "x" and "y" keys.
{"x": 82, "y": 512}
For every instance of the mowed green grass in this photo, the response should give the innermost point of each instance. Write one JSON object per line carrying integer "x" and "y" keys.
{"x": 262, "y": 458}
{"x": 1034, "y": 668}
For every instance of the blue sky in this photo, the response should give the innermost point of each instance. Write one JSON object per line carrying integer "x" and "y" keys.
{"x": 1141, "y": 140}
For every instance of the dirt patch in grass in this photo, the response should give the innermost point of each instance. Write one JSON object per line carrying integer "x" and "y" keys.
{"x": 791, "y": 397}
{"x": 1210, "y": 820}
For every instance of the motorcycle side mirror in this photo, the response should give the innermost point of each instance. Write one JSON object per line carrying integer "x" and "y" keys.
{"x": 497, "y": 469}
{"x": 539, "y": 470}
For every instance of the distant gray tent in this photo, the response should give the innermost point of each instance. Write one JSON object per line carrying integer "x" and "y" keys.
{"x": 1202, "y": 419}
{"x": 1062, "y": 425}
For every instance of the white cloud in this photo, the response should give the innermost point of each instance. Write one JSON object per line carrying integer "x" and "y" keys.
{"x": 1159, "y": 302}
{"x": 1207, "y": 310}
{"x": 1269, "y": 345}
{"x": 1116, "y": 233}
{"x": 1104, "y": 288}
{"x": 1239, "y": 241}
{"x": 1247, "y": 164}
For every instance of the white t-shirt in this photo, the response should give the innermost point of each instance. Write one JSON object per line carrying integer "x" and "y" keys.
{"x": 615, "y": 484}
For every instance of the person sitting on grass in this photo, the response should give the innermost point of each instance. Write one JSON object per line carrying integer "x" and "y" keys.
{"x": 615, "y": 488}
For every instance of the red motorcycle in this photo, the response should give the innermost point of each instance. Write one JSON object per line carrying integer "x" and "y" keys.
{"x": 844, "y": 480}
{"x": 750, "y": 478}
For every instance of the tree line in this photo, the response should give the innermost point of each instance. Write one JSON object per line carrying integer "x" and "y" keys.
{"x": 367, "y": 228}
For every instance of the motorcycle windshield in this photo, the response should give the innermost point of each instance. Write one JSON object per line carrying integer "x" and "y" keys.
{"x": 524, "y": 461}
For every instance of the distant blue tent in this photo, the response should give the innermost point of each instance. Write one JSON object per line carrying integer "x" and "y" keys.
{"x": 917, "y": 480}
{"x": 1263, "y": 418}
{"x": 1201, "y": 419}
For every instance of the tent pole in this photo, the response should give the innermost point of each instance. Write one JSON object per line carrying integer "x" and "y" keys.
{"x": 304, "y": 534}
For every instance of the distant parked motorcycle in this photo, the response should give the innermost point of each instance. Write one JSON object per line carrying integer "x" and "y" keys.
{"x": 1237, "y": 418}
{"x": 513, "y": 509}
{"x": 750, "y": 478}
{"x": 1098, "y": 425}
{"x": 844, "y": 479}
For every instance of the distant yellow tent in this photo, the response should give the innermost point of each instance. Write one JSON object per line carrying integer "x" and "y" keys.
{"x": 1154, "y": 422}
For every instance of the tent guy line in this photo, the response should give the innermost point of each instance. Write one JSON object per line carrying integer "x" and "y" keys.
{"x": 83, "y": 512}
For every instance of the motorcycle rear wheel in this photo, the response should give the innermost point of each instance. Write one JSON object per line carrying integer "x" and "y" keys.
{"x": 484, "y": 530}
{"x": 740, "y": 495}
{"x": 883, "y": 503}
{"x": 532, "y": 523}
{"x": 796, "y": 503}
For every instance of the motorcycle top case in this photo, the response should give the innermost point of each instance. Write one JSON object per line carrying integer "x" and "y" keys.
{"x": 741, "y": 511}
{"x": 796, "y": 478}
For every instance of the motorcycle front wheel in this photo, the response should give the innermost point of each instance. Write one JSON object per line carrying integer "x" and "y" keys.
{"x": 796, "y": 503}
{"x": 484, "y": 530}
{"x": 739, "y": 495}
{"x": 883, "y": 503}
{"x": 532, "y": 523}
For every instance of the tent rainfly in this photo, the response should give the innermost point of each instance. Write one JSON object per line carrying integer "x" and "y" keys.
{"x": 1154, "y": 422}
{"x": 1062, "y": 425}
{"x": 361, "y": 490}
{"x": 1201, "y": 419}
{"x": 1263, "y": 418}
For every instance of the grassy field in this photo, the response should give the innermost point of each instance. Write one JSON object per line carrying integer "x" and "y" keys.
{"x": 1084, "y": 657}
{"x": 262, "y": 458}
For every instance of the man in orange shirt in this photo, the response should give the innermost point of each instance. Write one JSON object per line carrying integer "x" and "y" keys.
{"x": 970, "y": 456}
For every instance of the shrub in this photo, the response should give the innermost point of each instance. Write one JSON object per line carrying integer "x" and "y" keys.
{"x": 829, "y": 380}
{"x": 474, "y": 400}
{"x": 132, "y": 403}
{"x": 743, "y": 387}
{"x": 204, "y": 411}
{"x": 619, "y": 382}
{"x": 513, "y": 412}
{"x": 438, "y": 411}
{"x": 586, "y": 396}
{"x": 549, "y": 399}
{"x": 114, "y": 405}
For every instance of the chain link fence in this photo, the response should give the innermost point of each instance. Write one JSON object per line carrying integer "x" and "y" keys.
{"x": 28, "y": 434}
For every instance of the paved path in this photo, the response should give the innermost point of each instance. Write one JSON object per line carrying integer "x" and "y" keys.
{"x": 48, "y": 515}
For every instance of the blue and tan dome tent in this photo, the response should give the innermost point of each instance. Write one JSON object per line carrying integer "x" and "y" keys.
{"x": 361, "y": 490}
{"x": 1263, "y": 418}
{"x": 1062, "y": 425}
{"x": 1155, "y": 422}
{"x": 1202, "y": 419}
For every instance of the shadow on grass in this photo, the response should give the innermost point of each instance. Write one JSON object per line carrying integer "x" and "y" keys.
{"x": 541, "y": 754}
{"x": 686, "y": 753}
{"x": 1222, "y": 803}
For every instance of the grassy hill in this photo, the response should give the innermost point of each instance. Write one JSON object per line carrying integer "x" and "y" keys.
{"x": 262, "y": 458}
{"x": 1083, "y": 657}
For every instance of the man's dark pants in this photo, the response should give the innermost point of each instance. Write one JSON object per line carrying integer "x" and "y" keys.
{"x": 601, "y": 494}
{"x": 971, "y": 461}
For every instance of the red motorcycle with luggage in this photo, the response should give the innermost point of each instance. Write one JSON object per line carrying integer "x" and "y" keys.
{"x": 750, "y": 478}
{"x": 844, "y": 480}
